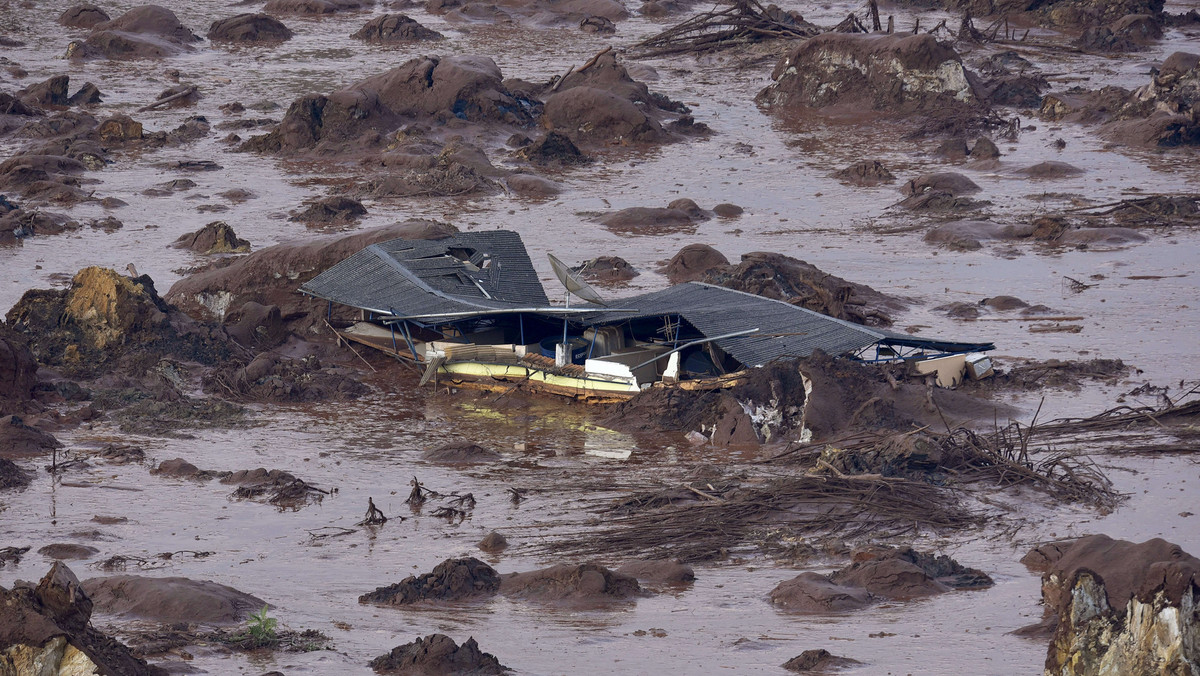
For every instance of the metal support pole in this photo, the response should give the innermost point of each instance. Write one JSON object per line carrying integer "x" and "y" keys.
{"x": 522, "y": 318}
{"x": 393, "y": 328}
{"x": 408, "y": 339}
{"x": 329, "y": 312}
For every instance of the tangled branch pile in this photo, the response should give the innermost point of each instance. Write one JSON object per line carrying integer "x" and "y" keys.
{"x": 744, "y": 21}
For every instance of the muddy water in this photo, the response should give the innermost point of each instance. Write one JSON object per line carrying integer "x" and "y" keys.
{"x": 778, "y": 171}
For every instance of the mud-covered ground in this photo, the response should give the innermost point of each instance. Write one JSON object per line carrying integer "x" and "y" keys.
{"x": 1131, "y": 298}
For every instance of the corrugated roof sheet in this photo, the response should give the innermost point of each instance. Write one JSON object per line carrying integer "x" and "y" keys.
{"x": 472, "y": 271}
{"x": 783, "y": 330}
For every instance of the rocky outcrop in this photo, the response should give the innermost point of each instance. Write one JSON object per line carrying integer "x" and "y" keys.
{"x": 105, "y": 317}
{"x": 1118, "y": 607}
{"x": 438, "y": 655}
{"x": 45, "y": 630}
{"x": 18, "y": 372}
{"x": 693, "y": 262}
{"x": 894, "y": 75}
{"x": 216, "y": 237}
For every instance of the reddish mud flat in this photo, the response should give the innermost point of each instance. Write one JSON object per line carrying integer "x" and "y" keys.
{"x": 1123, "y": 285}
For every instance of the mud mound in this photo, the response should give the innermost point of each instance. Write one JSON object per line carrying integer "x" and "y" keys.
{"x": 894, "y": 75}
{"x": 767, "y": 405}
{"x": 601, "y": 104}
{"x": 334, "y": 210}
{"x": 45, "y": 629}
{"x": 316, "y": 7}
{"x": 865, "y": 173}
{"x": 144, "y": 32}
{"x": 493, "y": 543}
{"x": 12, "y": 476}
{"x": 438, "y": 655}
{"x": 1050, "y": 170}
{"x": 394, "y": 28}
{"x": 249, "y": 28}
{"x": 270, "y": 276}
{"x": 106, "y": 318}
{"x": 816, "y": 593}
{"x": 170, "y": 599}
{"x": 216, "y": 237}
{"x": 18, "y": 372}
{"x": 68, "y": 551}
{"x": 553, "y": 148}
{"x": 583, "y": 584}
{"x": 878, "y": 573}
{"x": 970, "y": 235}
{"x": 799, "y": 283}
{"x": 650, "y": 221}
{"x": 606, "y": 269}
{"x": 659, "y": 572}
{"x": 18, "y": 440}
{"x": 451, "y": 580}
{"x": 947, "y": 182}
{"x": 1164, "y": 113}
{"x": 1120, "y": 605}
{"x": 259, "y": 326}
{"x": 1056, "y": 374}
{"x": 693, "y": 262}
{"x": 818, "y": 661}
{"x": 179, "y": 468}
{"x": 83, "y": 16}
{"x": 431, "y": 90}
{"x": 460, "y": 453}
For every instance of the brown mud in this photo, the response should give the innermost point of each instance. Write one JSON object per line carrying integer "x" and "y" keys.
{"x": 111, "y": 156}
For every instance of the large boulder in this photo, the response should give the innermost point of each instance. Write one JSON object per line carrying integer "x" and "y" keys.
{"x": 1119, "y": 607}
{"x": 892, "y": 74}
{"x": 45, "y": 630}
{"x": 216, "y": 237}
{"x": 249, "y": 28}
{"x": 18, "y": 440}
{"x": 170, "y": 599}
{"x": 816, "y": 593}
{"x": 316, "y": 7}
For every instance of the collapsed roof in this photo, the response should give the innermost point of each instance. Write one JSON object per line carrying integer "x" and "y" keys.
{"x": 475, "y": 275}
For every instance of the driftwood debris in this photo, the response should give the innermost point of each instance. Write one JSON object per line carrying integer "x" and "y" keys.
{"x": 374, "y": 515}
{"x": 742, "y": 22}
{"x": 168, "y": 99}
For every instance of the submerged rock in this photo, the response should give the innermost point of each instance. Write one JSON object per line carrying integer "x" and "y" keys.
{"x": 83, "y": 16}
{"x": 1119, "y": 607}
{"x": 438, "y": 655}
{"x": 865, "y": 173}
{"x": 460, "y": 452}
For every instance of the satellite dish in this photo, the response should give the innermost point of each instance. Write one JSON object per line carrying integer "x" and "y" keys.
{"x": 574, "y": 283}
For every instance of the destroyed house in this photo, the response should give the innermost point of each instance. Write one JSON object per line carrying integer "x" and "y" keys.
{"x": 472, "y": 310}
